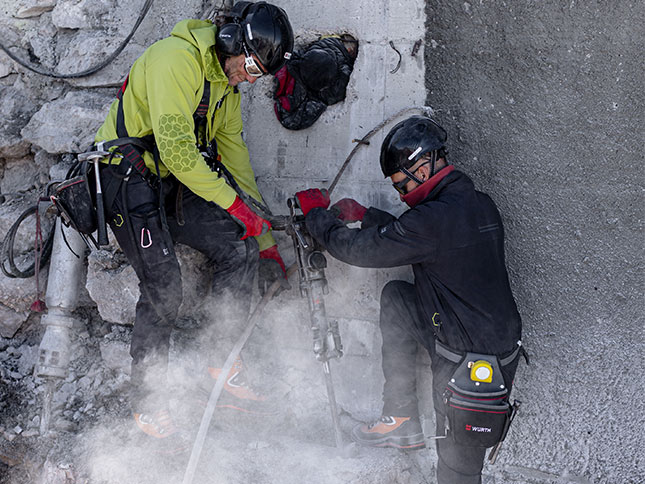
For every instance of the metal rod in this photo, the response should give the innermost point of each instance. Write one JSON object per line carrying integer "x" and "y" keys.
{"x": 45, "y": 416}
{"x": 198, "y": 445}
{"x": 333, "y": 408}
{"x": 364, "y": 140}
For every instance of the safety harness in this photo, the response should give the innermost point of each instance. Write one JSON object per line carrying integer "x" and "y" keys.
{"x": 132, "y": 148}
{"x": 457, "y": 357}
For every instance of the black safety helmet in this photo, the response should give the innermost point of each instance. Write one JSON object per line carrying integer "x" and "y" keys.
{"x": 267, "y": 34}
{"x": 410, "y": 140}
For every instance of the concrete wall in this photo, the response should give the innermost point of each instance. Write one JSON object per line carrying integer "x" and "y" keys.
{"x": 544, "y": 105}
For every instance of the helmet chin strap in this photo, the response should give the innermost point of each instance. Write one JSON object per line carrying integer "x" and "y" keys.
{"x": 411, "y": 176}
{"x": 433, "y": 160}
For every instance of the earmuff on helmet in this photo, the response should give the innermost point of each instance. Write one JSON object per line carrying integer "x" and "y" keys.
{"x": 229, "y": 40}
{"x": 230, "y": 36}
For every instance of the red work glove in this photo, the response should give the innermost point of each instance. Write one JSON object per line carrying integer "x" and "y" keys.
{"x": 348, "y": 210}
{"x": 253, "y": 224}
{"x": 312, "y": 198}
{"x": 272, "y": 269}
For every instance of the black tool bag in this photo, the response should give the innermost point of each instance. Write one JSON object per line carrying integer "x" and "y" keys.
{"x": 315, "y": 77}
{"x": 478, "y": 410}
{"x": 75, "y": 200}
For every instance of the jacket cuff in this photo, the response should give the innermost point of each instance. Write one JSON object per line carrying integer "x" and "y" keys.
{"x": 226, "y": 199}
{"x": 265, "y": 241}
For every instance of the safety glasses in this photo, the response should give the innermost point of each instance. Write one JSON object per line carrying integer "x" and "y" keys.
{"x": 250, "y": 66}
{"x": 409, "y": 175}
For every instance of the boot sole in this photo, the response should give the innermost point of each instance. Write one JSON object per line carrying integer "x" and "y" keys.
{"x": 204, "y": 402}
{"x": 411, "y": 442}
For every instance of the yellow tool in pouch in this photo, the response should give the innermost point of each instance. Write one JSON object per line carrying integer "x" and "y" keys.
{"x": 481, "y": 371}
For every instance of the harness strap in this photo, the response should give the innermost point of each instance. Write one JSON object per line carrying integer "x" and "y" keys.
{"x": 133, "y": 148}
{"x": 456, "y": 357}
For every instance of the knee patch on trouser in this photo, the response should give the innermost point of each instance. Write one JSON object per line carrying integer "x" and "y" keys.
{"x": 458, "y": 464}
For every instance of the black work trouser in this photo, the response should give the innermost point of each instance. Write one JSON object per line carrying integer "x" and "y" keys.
{"x": 134, "y": 217}
{"x": 403, "y": 331}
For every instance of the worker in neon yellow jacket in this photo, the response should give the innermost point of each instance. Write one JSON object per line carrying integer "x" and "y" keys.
{"x": 181, "y": 100}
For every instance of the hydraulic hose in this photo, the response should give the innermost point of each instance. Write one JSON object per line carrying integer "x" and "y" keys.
{"x": 7, "y": 252}
{"x": 45, "y": 72}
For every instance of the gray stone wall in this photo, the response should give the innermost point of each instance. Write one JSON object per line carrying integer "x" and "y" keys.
{"x": 544, "y": 105}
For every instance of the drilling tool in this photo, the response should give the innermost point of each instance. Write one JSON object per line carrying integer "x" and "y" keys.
{"x": 311, "y": 264}
{"x": 54, "y": 352}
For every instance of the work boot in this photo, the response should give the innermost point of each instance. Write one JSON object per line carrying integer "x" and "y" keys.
{"x": 399, "y": 432}
{"x": 238, "y": 393}
{"x": 162, "y": 434}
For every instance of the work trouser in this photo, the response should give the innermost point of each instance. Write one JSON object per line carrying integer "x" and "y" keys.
{"x": 403, "y": 331}
{"x": 134, "y": 217}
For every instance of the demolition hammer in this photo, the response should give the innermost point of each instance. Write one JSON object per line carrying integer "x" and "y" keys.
{"x": 311, "y": 263}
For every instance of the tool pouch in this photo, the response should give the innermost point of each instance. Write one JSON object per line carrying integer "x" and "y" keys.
{"x": 476, "y": 400}
{"x": 74, "y": 198}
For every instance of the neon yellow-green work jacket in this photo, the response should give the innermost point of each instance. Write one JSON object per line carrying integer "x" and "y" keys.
{"x": 165, "y": 87}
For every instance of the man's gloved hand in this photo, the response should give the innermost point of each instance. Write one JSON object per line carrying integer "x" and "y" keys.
{"x": 272, "y": 269}
{"x": 312, "y": 198}
{"x": 348, "y": 210}
{"x": 253, "y": 223}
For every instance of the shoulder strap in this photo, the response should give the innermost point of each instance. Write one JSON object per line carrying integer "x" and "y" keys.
{"x": 120, "y": 119}
{"x": 200, "y": 117}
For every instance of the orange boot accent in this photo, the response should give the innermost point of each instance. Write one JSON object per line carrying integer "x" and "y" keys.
{"x": 400, "y": 432}
{"x": 385, "y": 427}
{"x": 236, "y": 383}
{"x": 158, "y": 425}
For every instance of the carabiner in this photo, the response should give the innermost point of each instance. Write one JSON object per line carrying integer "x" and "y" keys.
{"x": 144, "y": 232}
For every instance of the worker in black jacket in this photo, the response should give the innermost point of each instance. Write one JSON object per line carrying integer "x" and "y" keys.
{"x": 459, "y": 305}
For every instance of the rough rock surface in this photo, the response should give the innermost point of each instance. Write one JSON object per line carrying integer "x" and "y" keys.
{"x": 68, "y": 125}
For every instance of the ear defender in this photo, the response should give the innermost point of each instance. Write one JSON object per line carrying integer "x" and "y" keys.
{"x": 229, "y": 40}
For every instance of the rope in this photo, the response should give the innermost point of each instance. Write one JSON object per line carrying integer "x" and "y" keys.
{"x": 91, "y": 70}
{"x": 210, "y": 12}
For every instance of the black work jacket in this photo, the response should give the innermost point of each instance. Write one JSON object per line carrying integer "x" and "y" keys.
{"x": 454, "y": 241}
